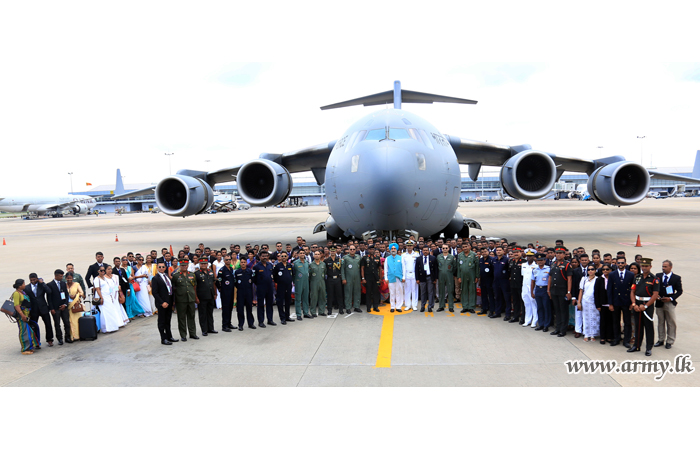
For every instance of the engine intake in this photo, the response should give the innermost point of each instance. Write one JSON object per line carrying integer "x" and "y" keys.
{"x": 622, "y": 183}
{"x": 263, "y": 183}
{"x": 180, "y": 195}
{"x": 528, "y": 175}
{"x": 80, "y": 208}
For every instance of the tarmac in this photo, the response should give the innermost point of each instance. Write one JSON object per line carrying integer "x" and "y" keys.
{"x": 418, "y": 349}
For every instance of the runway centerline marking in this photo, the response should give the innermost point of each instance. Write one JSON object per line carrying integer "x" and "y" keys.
{"x": 386, "y": 339}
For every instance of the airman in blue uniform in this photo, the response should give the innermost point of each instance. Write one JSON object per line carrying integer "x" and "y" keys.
{"x": 244, "y": 303}
{"x": 265, "y": 286}
{"x": 283, "y": 275}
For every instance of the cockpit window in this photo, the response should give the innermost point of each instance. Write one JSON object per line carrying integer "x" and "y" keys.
{"x": 394, "y": 133}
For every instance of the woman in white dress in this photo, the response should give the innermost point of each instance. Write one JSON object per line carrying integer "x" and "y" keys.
{"x": 152, "y": 270}
{"x": 591, "y": 316}
{"x": 217, "y": 265}
{"x": 141, "y": 277}
{"x": 107, "y": 288}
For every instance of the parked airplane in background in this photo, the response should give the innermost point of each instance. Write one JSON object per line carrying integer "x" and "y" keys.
{"x": 393, "y": 173}
{"x": 48, "y": 206}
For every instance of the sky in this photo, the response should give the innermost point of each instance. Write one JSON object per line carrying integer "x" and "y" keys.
{"x": 88, "y": 88}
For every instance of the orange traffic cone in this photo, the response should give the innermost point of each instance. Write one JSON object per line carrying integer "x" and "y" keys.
{"x": 116, "y": 238}
{"x": 3, "y": 241}
{"x": 639, "y": 242}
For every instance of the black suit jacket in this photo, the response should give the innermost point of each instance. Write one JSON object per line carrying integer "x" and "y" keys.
{"x": 160, "y": 291}
{"x": 39, "y": 304}
{"x": 619, "y": 290}
{"x": 420, "y": 270}
{"x": 123, "y": 279}
{"x": 92, "y": 273}
{"x": 600, "y": 294}
{"x": 55, "y": 299}
{"x": 675, "y": 282}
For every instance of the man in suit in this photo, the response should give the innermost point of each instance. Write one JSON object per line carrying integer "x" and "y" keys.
{"x": 671, "y": 289}
{"x": 426, "y": 277}
{"x": 163, "y": 251}
{"x": 37, "y": 292}
{"x": 162, "y": 290}
{"x": 58, "y": 302}
{"x": 93, "y": 270}
{"x": 619, "y": 288}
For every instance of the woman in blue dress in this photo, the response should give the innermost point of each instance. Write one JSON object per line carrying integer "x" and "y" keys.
{"x": 133, "y": 308}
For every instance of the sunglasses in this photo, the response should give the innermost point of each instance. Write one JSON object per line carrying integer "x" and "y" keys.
{"x": 101, "y": 270}
{"x": 591, "y": 269}
{"x": 606, "y": 270}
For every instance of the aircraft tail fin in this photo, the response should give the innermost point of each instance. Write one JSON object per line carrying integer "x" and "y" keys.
{"x": 397, "y": 96}
{"x": 119, "y": 186}
{"x": 696, "y": 167}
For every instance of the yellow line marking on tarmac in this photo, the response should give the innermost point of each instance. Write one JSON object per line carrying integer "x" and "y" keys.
{"x": 386, "y": 340}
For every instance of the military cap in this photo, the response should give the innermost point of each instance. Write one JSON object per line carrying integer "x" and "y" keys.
{"x": 646, "y": 261}
{"x": 184, "y": 260}
{"x": 540, "y": 257}
{"x": 410, "y": 242}
{"x": 529, "y": 252}
{"x": 560, "y": 250}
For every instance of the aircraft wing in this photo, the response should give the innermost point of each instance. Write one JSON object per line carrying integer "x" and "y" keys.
{"x": 138, "y": 193}
{"x": 479, "y": 153}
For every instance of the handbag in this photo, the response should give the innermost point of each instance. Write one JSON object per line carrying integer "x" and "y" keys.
{"x": 135, "y": 286}
{"x": 77, "y": 307}
{"x": 9, "y": 308}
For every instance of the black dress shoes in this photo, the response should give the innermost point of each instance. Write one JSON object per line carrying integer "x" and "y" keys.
{"x": 430, "y": 309}
{"x": 554, "y": 332}
{"x": 546, "y": 329}
{"x": 669, "y": 345}
{"x": 463, "y": 311}
{"x": 204, "y": 333}
{"x": 495, "y": 316}
{"x": 252, "y": 327}
{"x": 308, "y": 316}
{"x": 183, "y": 339}
{"x": 166, "y": 342}
{"x": 69, "y": 341}
{"x": 506, "y": 318}
{"x": 482, "y": 313}
{"x": 357, "y": 310}
{"x": 561, "y": 334}
{"x": 540, "y": 328}
{"x": 391, "y": 310}
{"x": 314, "y": 315}
{"x": 513, "y": 320}
{"x": 272, "y": 324}
{"x": 422, "y": 309}
{"x": 194, "y": 337}
{"x": 440, "y": 309}
{"x": 173, "y": 339}
{"x": 376, "y": 309}
{"x": 627, "y": 345}
{"x": 659, "y": 344}
{"x": 262, "y": 325}
{"x": 452, "y": 310}
{"x": 60, "y": 342}
{"x": 283, "y": 322}
{"x": 341, "y": 311}
{"x": 325, "y": 315}
{"x": 632, "y": 350}
{"x": 471, "y": 311}
{"x": 614, "y": 343}
{"x": 647, "y": 353}
{"x": 240, "y": 328}
{"x": 227, "y": 330}
{"x": 213, "y": 332}
{"x": 289, "y": 319}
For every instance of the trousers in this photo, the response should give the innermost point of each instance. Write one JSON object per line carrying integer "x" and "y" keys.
{"x": 65, "y": 317}
{"x": 544, "y": 308}
{"x": 48, "y": 326}
{"x": 352, "y": 293}
{"x": 205, "y": 311}
{"x": 607, "y": 330}
{"x": 372, "y": 288}
{"x": 265, "y": 299}
{"x": 517, "y": 299}
{"x": 185, "y": 318}
{"x": 410, "y": 292}
{"x": 644, "y": 325}
{"x": 530, "y": 307}
{"x": 667, "y": 322}
{"x": 334, "y": 291}
{"x": 501, "y": 290}
{"x": 445, "y": 285}
{"x": 626, "y": 318}
{"x": 244, "y": 308}
{"x": 226, "y": 308}
{"x": 487, "y": 301}
{"x": 561, "y": 312}
{"x": 301, "y": 297}
{"x": 284, "y": 300}
{"x": 427, "y": 292}
{"x": 164, "y": 317}
{"x": 317, "y": 294}
{"x": 396, "y": 294}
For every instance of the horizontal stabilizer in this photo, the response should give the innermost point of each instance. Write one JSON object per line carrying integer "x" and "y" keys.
{"x": 696, "y": 167}
{"x": 405, "y": 97}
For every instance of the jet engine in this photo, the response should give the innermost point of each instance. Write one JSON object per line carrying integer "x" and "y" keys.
{"x": 263, "y": 183}
{"x": 528, "y": 175}
{"x": 622, "y": 183}
{"x": 181, "y": 195}
{"x": 80, "y": 208}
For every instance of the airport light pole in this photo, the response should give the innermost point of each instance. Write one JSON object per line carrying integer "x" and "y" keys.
{"x": 641, "y": 150}
{"x": 71, "y": 181}
{"x": 170, "y": 168}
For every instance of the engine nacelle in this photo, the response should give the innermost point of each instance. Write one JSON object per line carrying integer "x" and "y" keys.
{"x": 528, "y": 175}
{"x": 80, "y": 208}
{"x": 619, "y": 184}
{"x": 180, "y": 195}
{"x": 263, "y": 183}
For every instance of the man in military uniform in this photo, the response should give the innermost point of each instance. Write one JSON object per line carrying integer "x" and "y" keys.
{"x": 410, "y": 287}
{"x": 538, "y": 290}
{"x": 369, "y": 266}
{"x": 486, "y": 283}
{"x": 559, "y": 291}
{"x": 501, "y": 285}
{"x": 244, "y": 299}
{"x": 317, "y": 285}
{"x": 334, "y": 283}
{"x": 265, "y": 287}
{"x": 468, "y": 276}
{"x": 516, "y": 287}
{"x": 447, "y": 268}
{"x": 226, "y": 283}
{"x": 206, "y": 293}
{"x": 185, "y": 296}
{"x": 350, "y": 272}
{"x": 645, "y": 292}
{"x": 283, "y": 276}
{"x": 300, "y": 270}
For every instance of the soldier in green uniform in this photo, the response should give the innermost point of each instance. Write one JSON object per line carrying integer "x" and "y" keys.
{"x": 468, "y": 276}
{"x": 300, "y": 270}
{"x": 206, "y": 293}
{"x": 447, "y": 268}
{"x": 371, "y": 266}
{"x": 317, "y": 285}
{"x": 350, "y": 272}
{"x": 644, "y": 293}
{"x": 185, "y": 295}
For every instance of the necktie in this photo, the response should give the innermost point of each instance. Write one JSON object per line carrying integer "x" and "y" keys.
{"x": 622, "y": 275}
{"x": 665, "y": 280}
{"x": 167, "y": 282}
{"x": 34, "y": 288}
{"x": 425, "y": 260}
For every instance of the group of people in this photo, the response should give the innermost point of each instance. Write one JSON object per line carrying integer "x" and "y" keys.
{"x": 535, "y": 286}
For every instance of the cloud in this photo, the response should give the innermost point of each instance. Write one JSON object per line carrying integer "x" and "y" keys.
{"x": 242, "y": 75}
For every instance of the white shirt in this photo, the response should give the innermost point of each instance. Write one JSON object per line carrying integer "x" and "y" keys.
{"x": 426, "y": 264}
{"x": 526, "y": 271}
{"x": 167, "y": 282}
{"x": 408, "y": 263}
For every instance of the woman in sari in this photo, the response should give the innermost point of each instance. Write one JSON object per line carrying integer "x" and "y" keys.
{"x": 141, "y": 277}
{"x": 27, "y": 338}
{"x": 591, "y": 314}
{"x": 152, "y": 271}
{"x": 76, "y": 294}
{"x": 133, "y": 308}
{"x": 110, "y": 311}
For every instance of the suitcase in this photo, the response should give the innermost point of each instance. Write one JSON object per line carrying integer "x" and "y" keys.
{"x": 87, "y": 327}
